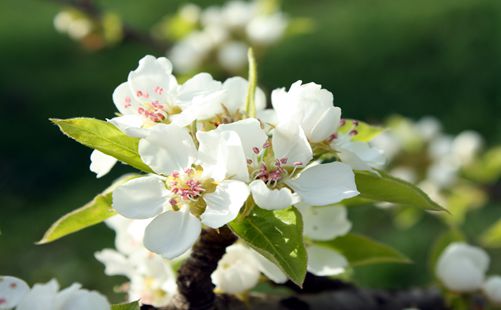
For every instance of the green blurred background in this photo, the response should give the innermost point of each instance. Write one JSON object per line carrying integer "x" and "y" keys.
{"x": 379, "y": 57}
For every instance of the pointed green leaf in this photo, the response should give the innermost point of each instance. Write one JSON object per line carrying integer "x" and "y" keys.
{"x": 105, "y": 137}
{"x": 278, "y": 236}
{"x": 126, "y": 306}
{"x": 384, "y": 187}
{"x": 364, "y": 131}
{"x": 360, "y": 250}
{"x": 92, "y": 213}
{"x": 491, "y": 238}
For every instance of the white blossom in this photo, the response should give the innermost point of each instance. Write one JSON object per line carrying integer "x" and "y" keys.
{"x": 322, "y": 224}
{"x": 461, "y": 267}
{"x": 15, "y": 293}
{"x": 492, "y": 289}
{"x": 12, "y": 291}
{"x": 227, "y": 32}
{"x": 151, "y": 278}
{"x": 192, "y": 187}
{"x": 240, "y": 268}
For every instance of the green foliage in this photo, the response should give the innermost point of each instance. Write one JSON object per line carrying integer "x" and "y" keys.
{"x": 105, "y": 137}
{"x": 92, "y": 213}
{"x": 126, "y": 306}
{"x": 278, "y": 236}
{"x": 360, "y": 250}
{"x": 383, "y": 187}
{"x": 487, "y": 169}
{"x": 491, "y": 238}
{"x": 250, "y": 104}
{"x": 365, "y": 132}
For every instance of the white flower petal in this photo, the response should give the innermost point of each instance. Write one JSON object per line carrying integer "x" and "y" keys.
{"x": 269, "y": 269}
{"x": 325, "y": 184}
{"x": 84, "y": 300}
{"x": 201, "y": 84}
{"x": 232, "y": 56}
{"x": 172, "y": 233}
{"x": 361, "y": 155}
{"x": 115, "y": 263}
{"x": 492, "y": 289}
{"x": 325, "y": 262}
{"x": 167, "y": 148}
{"x": 224, "y": 204}
{"x": 124, "y": 100}
{"x": 236, "y": 94}
{"x": 289, "y": 142}
{"x": 152, "y": 74}
{"x": 462, "y": 267}
{"x": 310, "y": 106}
{"x": 268, "y": 117}
{"x": 327, "y": 124}
{"x": 250, "y": 132}
{"x": 101, "y": 163}
{"x": 221, "y": 155}
{"x": 40, "y": 297}
{"x": 141, "y": 198}
{"x": 237, "y": 271}
{"x": 324, "y": 223}
{"x": 12, "y": 291}
{"x": 131, "y": 125}
{"x": 200, "y": 108}
{"x": 270, "y": 199}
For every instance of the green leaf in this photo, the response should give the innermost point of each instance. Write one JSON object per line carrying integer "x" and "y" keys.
{"x": 491, "y": 238}
{"x": 360, "y": 250}
{"x": 250, "y": 104}
{"x": 384, "y": 187}
{"x": 364, "y": 131}
{"x": 278, "y": 236}
{"x": 126, "y": 306}
{"x": 105, "y": 137}
{"x": 92, "y": 213}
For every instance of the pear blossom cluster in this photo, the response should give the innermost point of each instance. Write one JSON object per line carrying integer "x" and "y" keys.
{"x": 93, "y": 32}
{"x": 151, "y": 278}
{"x": 462, "y": 268}
{"x": 224, "y": 33}
{"x": 421, "y": 153}
{"x": 16, "y": 294}
{"x": 443, "y": 155}
{"x": 211, "y": 161}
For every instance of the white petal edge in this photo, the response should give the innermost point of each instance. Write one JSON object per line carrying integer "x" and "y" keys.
{"x": 167, "y": 148}
{"x": 289, "y": 141}
{"x": 12, "y": 291}
{"x": 224, "y": 204}
{"x": 271, "y": 199}
{"x": 101, "y": 163}
{"x": 325, "y": 184}
{"x": 172, "y": 233}
{"x": 325, "y": 262}
{"x": 141, "y": 198}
